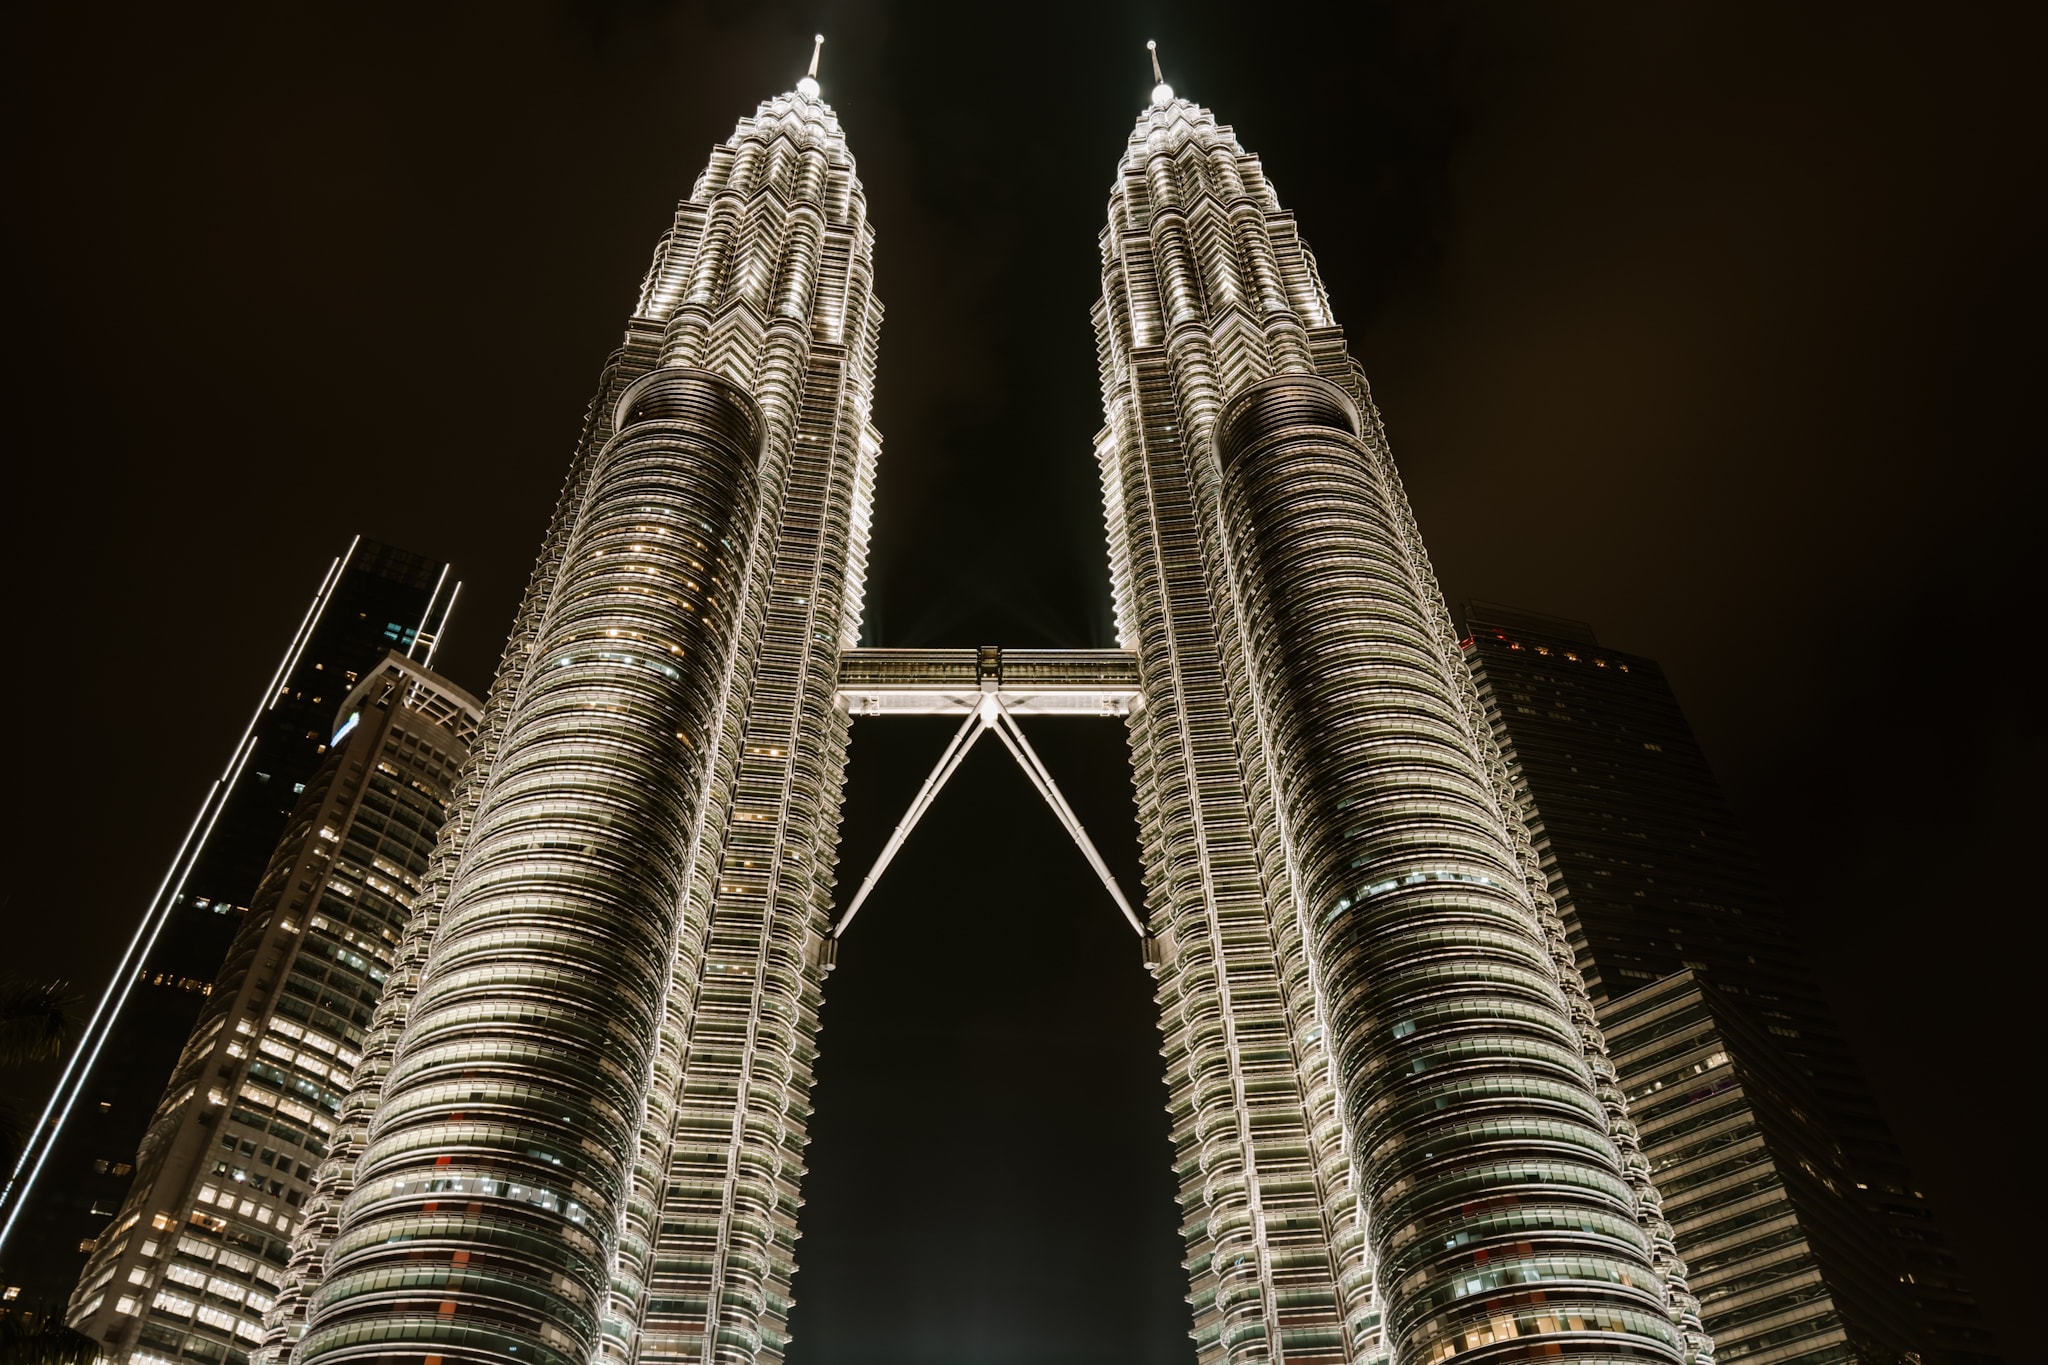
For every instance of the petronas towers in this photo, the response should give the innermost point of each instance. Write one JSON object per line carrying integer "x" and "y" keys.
{"x": 576, "y": 1132}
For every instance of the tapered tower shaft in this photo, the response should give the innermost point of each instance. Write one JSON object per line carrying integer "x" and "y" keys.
{"x": 576, "y": 1131}
{"x": 1277, "y": 1256}
{"x": 1373, "y": 1023}
{"x": 577, "y": 1127}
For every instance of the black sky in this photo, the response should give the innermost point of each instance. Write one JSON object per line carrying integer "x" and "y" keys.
{"x": 1713, "y": 324}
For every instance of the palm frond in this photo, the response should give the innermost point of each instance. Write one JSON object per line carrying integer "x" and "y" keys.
{"x": 14, "y": 1130}
{"x": 35, "y": 1019}
{"x": 43, "y": 1339}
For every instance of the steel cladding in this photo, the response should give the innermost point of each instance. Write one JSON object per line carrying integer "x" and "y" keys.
{"x": 578, "y": 1123}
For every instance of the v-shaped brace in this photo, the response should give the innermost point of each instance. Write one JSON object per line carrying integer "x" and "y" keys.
{"x": 989, "y": 715}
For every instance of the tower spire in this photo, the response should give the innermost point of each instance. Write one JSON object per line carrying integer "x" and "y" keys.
{"x": 808, "y": 86}
{"x": 1162, "y": 93}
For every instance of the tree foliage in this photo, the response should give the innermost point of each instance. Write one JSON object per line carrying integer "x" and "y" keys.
{"x": 35, "y": 1019}
{"x": 28, "y": 1338}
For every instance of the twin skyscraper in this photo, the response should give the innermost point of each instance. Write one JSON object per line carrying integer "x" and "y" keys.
{"x": 576, "y": 1129}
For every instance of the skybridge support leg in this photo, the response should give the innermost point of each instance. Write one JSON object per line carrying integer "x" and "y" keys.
{"x": 963, "y": 739}
{"x": 1012, "y": 735}
{"x": 991, "y": 714}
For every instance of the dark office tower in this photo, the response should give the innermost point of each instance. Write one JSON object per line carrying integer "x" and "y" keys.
{"x": 1395, "y": 1123}
{"x": 1806, "y": 1237}
{"x": 77, "y": 1168}
{"x": 196, "y": 1255}
{"x": 577, "y": 1127}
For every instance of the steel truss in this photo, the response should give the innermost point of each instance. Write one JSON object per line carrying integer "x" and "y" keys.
{"x": 878, "y": 682}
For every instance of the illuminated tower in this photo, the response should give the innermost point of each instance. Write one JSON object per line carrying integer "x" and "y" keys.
{"x": 575, "y": 1133}
{"x": 576, "y": 1129}
{"x": 1395, "y": 1123}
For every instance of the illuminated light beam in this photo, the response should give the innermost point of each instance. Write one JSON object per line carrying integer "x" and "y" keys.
{"x": 71, "y": 1081}
{"x": 441, "y": 628}
{"x": 426, "y": 615}
{"x": 118, "y": 991}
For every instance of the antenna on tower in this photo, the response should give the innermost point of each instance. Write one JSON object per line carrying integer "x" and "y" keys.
{"x": 808, "y": 86}
{"x": 1162, "y": 93}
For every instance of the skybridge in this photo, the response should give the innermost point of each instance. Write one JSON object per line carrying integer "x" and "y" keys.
{"x": 989, "y": 688}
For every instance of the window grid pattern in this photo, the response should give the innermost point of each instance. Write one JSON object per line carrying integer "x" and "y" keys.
{"x": 225, "y": 1170}
{"x": 1789, "y": 1264}
{"x": 1208, "y": 291}
{"x": 765, "y": 282}
{"x": 1198, "y": 292}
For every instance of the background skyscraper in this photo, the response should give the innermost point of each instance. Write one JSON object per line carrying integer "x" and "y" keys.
{"x": 1792, "y": 1201}
{"x": 197, "y": 1253}
{"x": 373, "y": 597}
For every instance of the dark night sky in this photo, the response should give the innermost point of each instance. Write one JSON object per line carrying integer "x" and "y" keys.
{"x": 1713, "y": 324}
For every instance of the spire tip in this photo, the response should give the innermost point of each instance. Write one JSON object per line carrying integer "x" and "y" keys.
{"x": 1162, "y": 93}
{"x": 808, "y": 86}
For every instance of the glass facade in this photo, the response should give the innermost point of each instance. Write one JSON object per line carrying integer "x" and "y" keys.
{"x": 1398, "y": 1131}
{"x": 577, "y": 1127}
{"x": 1682, "y": 944}
{"x": 373, "y": 598}
{"x": 198, "y": 1251}
{"x": 1787, "y": 1266}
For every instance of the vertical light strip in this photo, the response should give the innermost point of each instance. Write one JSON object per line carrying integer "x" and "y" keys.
{"x": 119, "y": 989}
{"x": 441, "y": 627}
{"x": 71, "y": 1081}
{"x": 427, "y": 615}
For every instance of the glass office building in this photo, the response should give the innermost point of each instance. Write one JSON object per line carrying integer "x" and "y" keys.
{"x": 78, "y": 1168}
{"x": 198, "y": 1251}
{"x": 1807, "y": 1237}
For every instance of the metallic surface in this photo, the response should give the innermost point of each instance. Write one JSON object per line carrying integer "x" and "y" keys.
{"x": 576, "y": 1133}
{"x": 510, "y": 1116}
{"x": 658, "y": 824}
{"x": 1360, "y": 952}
